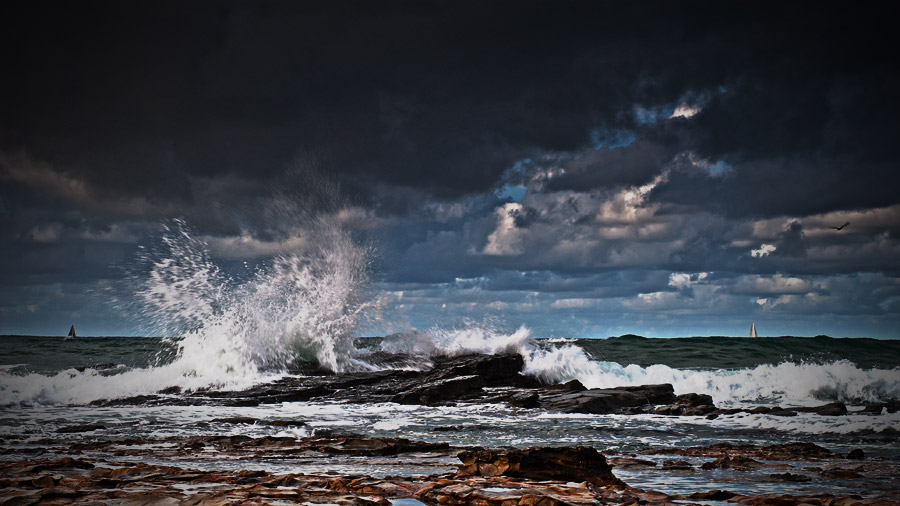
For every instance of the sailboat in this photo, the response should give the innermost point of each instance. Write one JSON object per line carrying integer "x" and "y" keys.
{"x": 71, "y": 333}
{"x": 753, "y": 329}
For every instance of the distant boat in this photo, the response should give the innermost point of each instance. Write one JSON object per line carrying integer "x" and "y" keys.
{"x": 71, "y": 333}
{"x": 753, "y": 329}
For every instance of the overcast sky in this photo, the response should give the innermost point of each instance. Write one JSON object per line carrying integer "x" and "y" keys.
{"x": 583, "y": 168}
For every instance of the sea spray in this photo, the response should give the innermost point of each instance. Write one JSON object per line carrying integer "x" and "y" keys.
{"x": 301, "y": 306}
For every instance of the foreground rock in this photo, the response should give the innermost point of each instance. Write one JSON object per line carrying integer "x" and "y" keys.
{"x": 488, "y": 477}
{"x": 574, "y": 463}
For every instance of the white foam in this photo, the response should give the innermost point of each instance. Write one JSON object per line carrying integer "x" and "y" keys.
{"x": 787, "y": 383}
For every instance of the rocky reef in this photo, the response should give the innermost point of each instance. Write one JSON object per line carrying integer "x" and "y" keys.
{"x": 494, "y": 477}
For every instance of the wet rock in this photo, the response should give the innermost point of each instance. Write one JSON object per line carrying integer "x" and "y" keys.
{"x": 441, "y": 390}
{"x": 376, "y": 446}
{"x": 668, "y": 410}
{"x": 694, "y": 400}
{"x": 286, "y": 423}
{"x": 782, "y": 412}
{"x": 840, "y": 474}
{"x": 64, "y": 463}
{"x": 588, "y": 401}
{"x": 575, "y": 463}
{"x": 494, "y": 370}
{"x": 237, "y": 420}
{"x": 738, "y": 463}
{"x": 677, "y": 465}
{"x": 788, "y": 451}
{"x": 872, "y": 409}
{"x": 832, "y": 409}
{"x": 71, "y": 429}
{"x": 20, "y": 499}
{"x": 525, "y": 400}
{"x": 856, "y": 454}
{"x": 148, "y": 500}
{"x": 790, "y": 477}
{"x": 602, "y": 401}
{"x": 697, "y": 410}
{"x": 712, "y": 495}
{"x": 569, "y": 386}
{"x": 629, "y": 462}
{"x": 797, "y": 451}
{"x": 662, "y": 393}
{"x": 43, "y": 482}
{"x": 732, "y": 411}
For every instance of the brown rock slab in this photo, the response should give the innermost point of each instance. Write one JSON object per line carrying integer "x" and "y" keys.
{"x": 738, "y": 463}
{"x": 574, "y": 463}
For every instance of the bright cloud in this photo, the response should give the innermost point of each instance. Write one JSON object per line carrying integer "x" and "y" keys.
{"x": 685, "y": 111}
{"x": 764, "y": 250}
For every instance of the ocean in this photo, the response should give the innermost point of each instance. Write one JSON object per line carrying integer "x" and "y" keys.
{"x": 48, "y": 384}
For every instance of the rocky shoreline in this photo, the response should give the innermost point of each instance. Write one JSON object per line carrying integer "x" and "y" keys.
{"x": 545, "y": 476}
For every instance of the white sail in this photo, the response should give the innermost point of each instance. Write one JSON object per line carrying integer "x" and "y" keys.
{"x": 753, "y": 329}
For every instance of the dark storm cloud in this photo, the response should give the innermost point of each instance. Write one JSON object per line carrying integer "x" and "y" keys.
{"x": 584, "y": 152}
{"x": 442, "y": 97}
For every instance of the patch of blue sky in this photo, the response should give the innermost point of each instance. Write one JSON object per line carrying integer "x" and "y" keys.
{"x": 611, "y": 138}
{"x": 515, "y": 192}
{"x": 514, "y": 189}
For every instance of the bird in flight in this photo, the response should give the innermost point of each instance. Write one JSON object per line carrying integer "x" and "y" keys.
{"x": 842, "y": 226}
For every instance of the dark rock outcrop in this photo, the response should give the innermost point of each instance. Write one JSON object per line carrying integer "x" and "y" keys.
{"x": 607, "y": 400}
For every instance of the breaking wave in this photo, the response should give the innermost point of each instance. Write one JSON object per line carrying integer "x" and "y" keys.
{"x": 789, "y": 383}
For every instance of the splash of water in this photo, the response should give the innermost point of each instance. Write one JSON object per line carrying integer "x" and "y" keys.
{"x": 303, "y": 306}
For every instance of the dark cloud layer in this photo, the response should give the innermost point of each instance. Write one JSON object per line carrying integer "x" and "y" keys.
{"x": 648, "y": 138}
{"x": 441, "y": 96}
